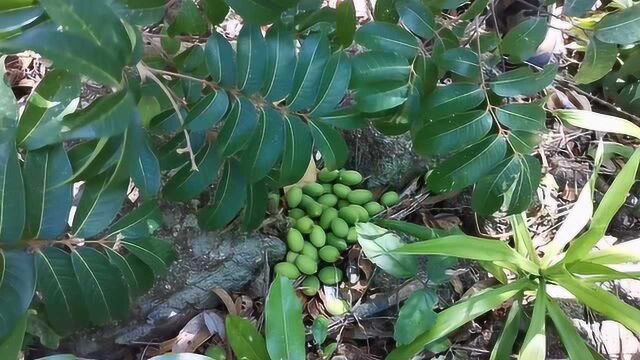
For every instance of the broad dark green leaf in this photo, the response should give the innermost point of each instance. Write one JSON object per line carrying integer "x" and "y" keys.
{"x": 60, "y": 290}
{"x": 488, "y": 195}
{"x": 346, "y": 118}
{"x": 524, "y": 142}
{"x": 523, "y": 81}
{"x": 171, "y": 156}
{"x": 38, "y": 327}
{"x": 146, "y": 170}
{"x": 137, "y": 275}
{"x": 283, "y": 322}
{"x": 245, "y": 340}
{"x": 208, "y": 111}
{"x": 375, "y": 66}
{"x": 91, "y": 158}
{"x": 238, "y": 127}
{"x": 519, "y": 198}
{"x": 417, "y": 231}
{"x": 451, "y": 133}
{"x": 107, "y": 116}
{"x": 517, "y": 116}
{"x": 12, "y": 198}
{"x": 230, "y": 197}
{"x": 462, "y": 61}
{"x": 446, "y": 40}
{"x": 522, "y": 41}
{"x": 416, "y": 316}
{"x": 281, "y": 59}
{"x": 417, "y": 18}
{"x": 166, "y": 122}
{"x": 156, "y": 253}
{"x": 598, "y": 61}
{"x": 426, "y": 75}
{"x": 139, "y": 222}
{"x": 345, "y": 22}
{"x": 140, "y": 12}
{"x": 219, "y": 56}
{"x": 252, "y": 52}
{"x": 216, "y": 11}
{"x": 320, "y": 329}
{"x": 320, "y": 20}
{"x": 103, "y": 289}
{"x": 259, "y": 12}
{"x": 48, "y": 197}
{"x": 188, "y": 20}
{"x": 101, "y": 200}
{"x": 191, "y": 61}
{"x": 387, "y": 37}
{"x": 54, "y": 97}
{"x": 476, "y": 8}
{"x": 257, "y": 202}
{"x": 445, "y": 4}
{"x": 11, "y": 344}
{"x": 409, "y": 115}
{"x": 381, "y": 96}
{"x": 17, "y": 287}
{"x": 16, "y": 19}
{"x": 333, "y": 84}
{"x": 68, "y": 51}
{"x": 187, "y": 183}
{"x": 467, "y": 166}
{"x": 620, "y": 27}
{"x": 577, "y": 8}
{"x": 454, "y": 98}
{"x": 265, "y": 147}
{"x": 128, "y": 156}
{"x": 332, "y": 146}
{"x": 378, "y": 245}
{"x": 313, "y": 56}
{"x": 298, "y": 146}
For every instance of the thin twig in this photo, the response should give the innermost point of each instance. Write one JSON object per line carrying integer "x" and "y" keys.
{"x": 174, "y": 74}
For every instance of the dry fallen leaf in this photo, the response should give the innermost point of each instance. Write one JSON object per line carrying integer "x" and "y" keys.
{"x": 198, "y": 330}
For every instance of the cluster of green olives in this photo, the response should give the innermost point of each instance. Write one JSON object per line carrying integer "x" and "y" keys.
{"x": 324, "y": 215}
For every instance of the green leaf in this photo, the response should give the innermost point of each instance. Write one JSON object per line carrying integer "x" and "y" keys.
{"x": 17, "y": 19}
{"x": 625, "y": 252}
{"x": 503, "y": 347}
{"x": 403, "y": 118}
{"x": 417, "y": 231}
{"x": 346, "y": 118}
{"x": 259, "y": 12}
{"x": 252, "y": 51}
{"x": 467, "y": 166}
{"x": 524, "y": 142}
{"x": 598, "y": 61}
{"x": 166, "y": 122}
{"x": 520, "y": 196}
{"x": 157, "y": 254}
{"x": 417, "y": 18}
{"x": 523, "y": 81}
{"x": 244, "y": 339}
{"x": 188, "y": 20}
{"x": 91, "y": 158}
{"x": 457, "y": 97}
{"x": 522, "y": 41}
{"x": 49, "y": 198}
{"x": 146, "y": 171}
{"x": 265, "y": 147}
{"x": 375, "y": 67}
{"x": 332, "y": 146}
{"x": 459, "y": 314}
{"x": 620, "y": 27}
{"x": 281, "y": 58}
{"x": 381, "y": 96}
{"x": 577, "y": 8}
{"x": 68, "y": 51}
{"x": 219, "y": 57}
{"x": 228, "y": 200}
{"x": 333, "y": 84}
{"x": 598, "y": 122}
{"x": 38, "y": 328}
{"x": 54, "y": 97}
{"x": 257, "y": 203}
{"x": 385, "y": 11}
{"x": 488, "y": 194}
{"x": 238, "y": 126}
{"x": 416, "y": 316}
{"x": 208, "y": 111}
{"x": 462, "y": 61}
{"x": 573, "y": 343}
{"x": 138, "y": 222}
{"x": 452, "y": 133}
{"x": 216, "y": 11}
{"x": 8, "y": 108}
{"x": 345, "y": 23}
{"x": 379, "y": 246}
{"x": 179, "y": 356}
{"x": 313, "y": 56}
{"x": 135, "y": 273}
{"x": 11, "y": 345}
{"x": 100, "y": 203}
{"x": 283, "y": 322}
{"x": 476, "y": 8}
{"x": 138, "y": 12}
{"x": 298, "y": 146}
{"x": 190, "y": 61}
{"x": 17, "y": 287}
{"x": 320, "y": 329}
{"x": 12, "y": 199}
{"x": 534, "y": 346}
{"x": 426, "y": 75}
{"x": 188, "y": 183}
{"x": 102, "y": 288}
{"x": 380, "y": 36}
{"x": 518, "y": 116}
{"x": 446, "y": 4}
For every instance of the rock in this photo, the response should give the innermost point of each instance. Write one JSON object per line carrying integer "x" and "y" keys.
{"x": 610, "y": 339}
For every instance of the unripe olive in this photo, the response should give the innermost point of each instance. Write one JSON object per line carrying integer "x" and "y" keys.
{"x": 304, "y": 225}
{"x": 336, "y": 307}
{"x": 294, "y": 196}
{"x": 329, "y": 200}
{"x": 318, "y": 238}
{"x": 329, "y": 254}
{"x": 390, "y": 198}
{"x": 343, "y": 203}
{"x": 287, "y": 270}
{"x": 296, "y": 213}
{"x": 310, "y": 285}
{"x": 330, "y": 275}
{"x": 328, "y": 188}
{"x": 306, "y": 200}
{"x": 295, "y": 241}
{"x": 327, "y": 217}
{"x": 328, "y": 176}
{"x": 291, "y": 257}
{"x": 313, "y": 189}
{"x": 306, "y": 265}
{"x": 348, "y": 214}
{"x": 336, "y": 242}
{"x": 339, "y": 227}
{"x": 363, "y": 215}
{"x": 352, "y": 236}
{"x": 309, "y": 250}
{"x": 313, "y": 209}
{"x": 350, "y": 177}
{"x": 360, "y": 196}
{"x": 341, "y": 190}
{"x": 373, "y": 208}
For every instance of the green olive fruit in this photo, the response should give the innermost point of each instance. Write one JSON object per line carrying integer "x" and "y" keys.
{"x": 352, "y": 236}
{"x": 306, "y": 200}
{"x": 326, "y": 175}
{"x": 287, "y": 270}
{"x": 291, "y": 257}
{"x": 306, "y": 265}
{"x": 329, "y": 254}
{"x": 314, "y": 209}
{"x": 313, "y": 189}
{"x": 330, "y": 275}
{"x": 348, "y": 214}
{"x": 328, "y": 188}
{"x": 304, "y": 225}
{"x": 336, "y": 307}
{"x": 341, "y": 190}
{"x": 309, "y": 250}
{"x": 327, "y": 217}
{"x": 294, "y": 196}
{"x": 295, "y": 240}
{"x": 350, "y": 177}
{"x": 363, "y": 215}
{"x": 339, "y": 227}
{"x": 360, "y": 196}
{"x": 318, "y": 238}
{"x": 390, "y": 198}
{"x": 336, "y": 242}
{"x": 373, "y": 208}
{"x": 296, "y": 213}
{"x": 343, "y": 203}
{"x": 216, "y": 353}
{"x": 329, "y": 200}
{"x": 310, "y": 285}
